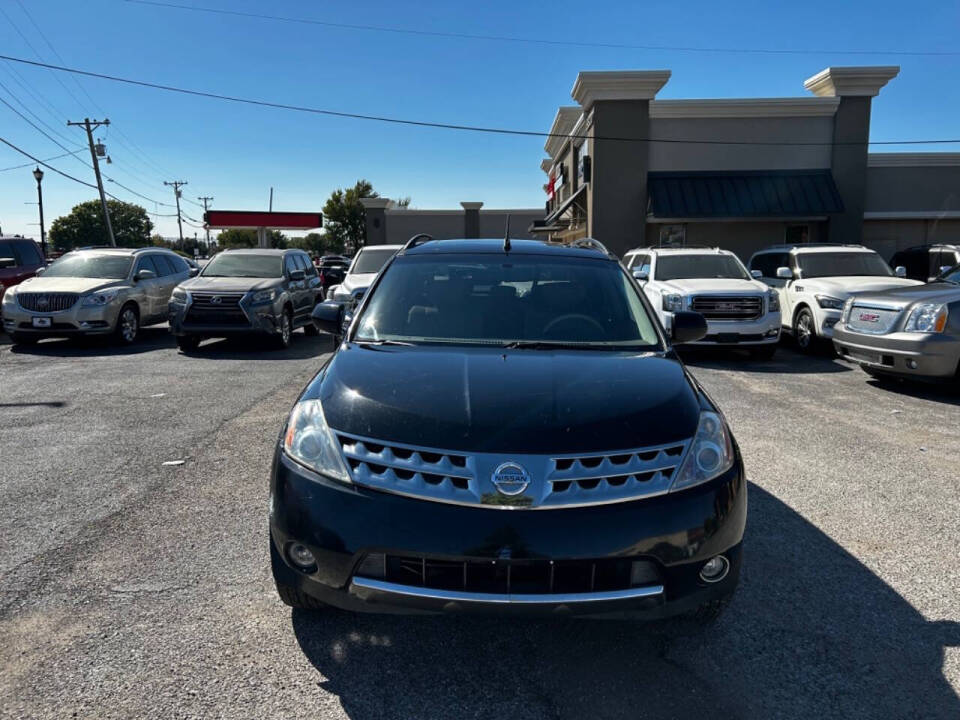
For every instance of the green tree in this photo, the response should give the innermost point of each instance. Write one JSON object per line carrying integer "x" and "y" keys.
{"x": 317, "y": 244}
{"x": 343, "y": 216}
{"x": 84, "y": 225}
{"x": 247, "y": 238}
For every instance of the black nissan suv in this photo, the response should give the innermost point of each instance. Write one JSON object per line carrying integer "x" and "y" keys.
{"x": 260, "y": 291}
{"x": 505, "y": 427}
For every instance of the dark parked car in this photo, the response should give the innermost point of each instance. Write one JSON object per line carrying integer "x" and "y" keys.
{"x": 909, "y": 332}
{"x": 20, "y": 258}
{"x": 507, "y": 429}
{"x": 270, "y": 292}
{"x": 332, "y": 270}
{"x": 926, "y": 262}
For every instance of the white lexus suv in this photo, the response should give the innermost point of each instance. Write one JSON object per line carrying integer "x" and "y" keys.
{"x": 740, "y": 311}
{"x": 815, "y": 280}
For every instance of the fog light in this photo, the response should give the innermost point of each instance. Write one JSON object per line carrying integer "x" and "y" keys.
{"x": 912, "y": 364}
{"x": 715, "y": 569}
{"x": 301, "y": 556}
{"x": 773, "y": 333}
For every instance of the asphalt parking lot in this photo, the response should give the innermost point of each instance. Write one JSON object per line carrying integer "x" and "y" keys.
{"x": 131, "y": 588}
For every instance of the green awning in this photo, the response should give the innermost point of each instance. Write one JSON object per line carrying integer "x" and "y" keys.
{"x": 733, "y": 194}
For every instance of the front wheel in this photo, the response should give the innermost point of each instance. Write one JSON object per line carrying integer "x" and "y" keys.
{"x": 285, "y": 334}
{"x": 805, "y": 331}
{"x": 128, "y": 325}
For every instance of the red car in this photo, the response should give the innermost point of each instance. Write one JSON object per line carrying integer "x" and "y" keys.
{"x": 20, "y": 258}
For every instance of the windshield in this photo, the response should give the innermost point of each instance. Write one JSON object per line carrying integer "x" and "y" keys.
{"x": 370, "y": 261}
{"x": 87, "y": 265}
{"x": 254, "y": 266}
{"x": 842, "y": 264}
{"x": 496, "y": 301}
{"x": 685, "y": 267}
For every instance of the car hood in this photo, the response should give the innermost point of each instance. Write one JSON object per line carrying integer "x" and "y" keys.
{"x": 229, "y": 284}
{"x": 508, "y": 401}
{"x": 930, "y": 292}
{"x": 68, "y": 284}
{"x": 719, "y": 286}
{"x": 841, "y": 287}
{"x": 360, "y": 281}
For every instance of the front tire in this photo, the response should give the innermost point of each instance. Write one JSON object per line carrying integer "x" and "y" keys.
{"x": 805, "y": 331}
{"x": 285, "y": 336}
{"x": 128, "y": 325}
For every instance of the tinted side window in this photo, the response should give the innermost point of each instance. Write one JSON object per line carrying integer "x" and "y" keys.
{"x": 766, "y": 264}
{"x": 642, "y": 262}
{"x": 10, "y": 250}
{"x": 29, "y": 254}
{"x": 146, "y": 263}
{"x": 163, "y": 265}
{"x": 178, "y": 263}
{"x": 308, "y": 266}
{"x": 289, "y": 264}
{"x": 917, "y": 263}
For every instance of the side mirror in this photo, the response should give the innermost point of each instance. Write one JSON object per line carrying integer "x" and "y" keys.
{"x": 194, "y": 272}
{"x": 144, "y": 274}
{"x": 41, "y": 270}
{"x": 756, "y": 274}
{"x": 688, "y": 327}
{"x": 296, "y": 275}
{"x": 641, "y": 275}
{"x": 900, "y": 271}
{"x": 785, "y": 273}
{"x": 327, "y": 317}
{"x": 6, "y": 262}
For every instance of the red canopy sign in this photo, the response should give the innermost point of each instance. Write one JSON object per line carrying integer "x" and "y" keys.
{"x": 225, "y": 219}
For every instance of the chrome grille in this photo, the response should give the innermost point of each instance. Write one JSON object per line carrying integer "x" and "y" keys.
{"x": 47, "y": 302}
{"x": 226, "y": 301}
{"x": 555, "y": 481}
{"x": 728, "y": 307}
{"x": 872, "y": 320}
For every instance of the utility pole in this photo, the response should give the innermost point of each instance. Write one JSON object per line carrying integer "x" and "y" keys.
{"x": 206, "y": 206}
{"x": 90, "y": 126}
{"x": 176, "y": 185}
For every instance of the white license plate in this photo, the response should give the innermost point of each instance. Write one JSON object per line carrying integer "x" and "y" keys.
{"x": 41, "y": 322}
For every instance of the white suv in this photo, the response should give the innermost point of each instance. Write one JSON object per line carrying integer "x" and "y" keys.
{"x": 740, "y": 311}
{"x": 815, "y": 280}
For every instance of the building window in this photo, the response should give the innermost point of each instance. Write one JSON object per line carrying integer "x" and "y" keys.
{"x": 796, "y": 234}
{"x": 673, "y": 235}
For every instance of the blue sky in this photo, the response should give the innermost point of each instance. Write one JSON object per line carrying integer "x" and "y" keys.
{"x": 236, "y": 153}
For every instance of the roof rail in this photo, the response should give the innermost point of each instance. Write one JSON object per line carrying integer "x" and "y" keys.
{"x": 589, "y": 242}
{"x": 417, "y": 239}
{"x": 791, "y": 246}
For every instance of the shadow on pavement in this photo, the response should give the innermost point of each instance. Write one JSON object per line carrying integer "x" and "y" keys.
{"x": 261, "y": 347}
{"x": 151, "y": 338}
{"x": 787, "y": 360}
{"x": 811, "y": 633}
{"x": 945, "y": 392}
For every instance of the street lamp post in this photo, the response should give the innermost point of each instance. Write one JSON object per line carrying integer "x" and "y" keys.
{"x": 38, "y": 174}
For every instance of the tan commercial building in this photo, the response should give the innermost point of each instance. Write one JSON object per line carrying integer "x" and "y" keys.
{"x": 631, "y": 170}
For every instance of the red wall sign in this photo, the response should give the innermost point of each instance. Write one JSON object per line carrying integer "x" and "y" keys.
{"x": 223, "y": 219}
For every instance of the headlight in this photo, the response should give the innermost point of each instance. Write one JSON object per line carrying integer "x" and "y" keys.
{"x": 773, "y": 301}
{"x": 710, "y": 453}
{"x": 179, "y": 295}
{"x": 847, "y": 307}
{"x": 264, "y": 296}
{"x": 98, "y": 299}
{"x": 8, "y": 294}
{"x": 673, "y": 303}
{"x": 927, "y": 318}
{"x": 310, "y": 442}
{"x": 830, "y": 303}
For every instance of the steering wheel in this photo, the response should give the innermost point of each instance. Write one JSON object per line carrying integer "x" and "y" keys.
{"x": 573, "y": 316}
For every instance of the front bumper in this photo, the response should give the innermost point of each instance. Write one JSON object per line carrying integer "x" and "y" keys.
{"x": 346, "y": 525}
{"x": 737, "y": 333}
{"x": 263, "y": 318}
{"x": 77, "y": 320}
{"x": 900, "y": 353}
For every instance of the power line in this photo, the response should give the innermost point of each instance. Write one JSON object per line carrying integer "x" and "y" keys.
{"x": 55, "y": 157}
{"x": 545, "y": 41}
{"x": 46, "y": 164}
{"x": 446, "y": 126}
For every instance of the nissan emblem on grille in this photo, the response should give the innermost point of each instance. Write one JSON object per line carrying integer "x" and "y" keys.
{"x": 216, "y": 299}
{"x": 510, "y": 479}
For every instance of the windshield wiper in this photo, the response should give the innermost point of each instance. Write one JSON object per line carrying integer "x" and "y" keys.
{"x": 550, "y": 345}
{"x": 378, "y": 343}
